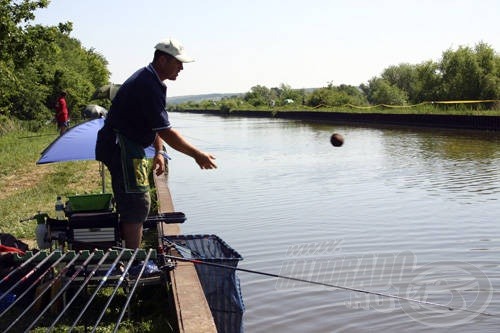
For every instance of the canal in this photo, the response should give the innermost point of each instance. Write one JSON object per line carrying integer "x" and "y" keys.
{"x": 403, "y": 211}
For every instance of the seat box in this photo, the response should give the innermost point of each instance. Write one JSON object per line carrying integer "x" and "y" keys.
{"x": 88, "y": 231}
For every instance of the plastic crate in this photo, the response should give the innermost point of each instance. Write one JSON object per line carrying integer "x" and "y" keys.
{"x": 89, "y": 202}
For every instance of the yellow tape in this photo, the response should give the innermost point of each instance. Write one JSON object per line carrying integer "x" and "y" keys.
{"x": 466, "y": 102}
{"x": 423, "y": 103}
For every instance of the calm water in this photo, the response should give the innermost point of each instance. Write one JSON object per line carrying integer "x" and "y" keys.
{"x": 408, "y": 212}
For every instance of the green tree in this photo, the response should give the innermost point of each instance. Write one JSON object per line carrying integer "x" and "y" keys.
{"x": 489, "y": 64}
{"x": 260, "y": 96}
{"x": 470, "y": 73}
{"x": 37, "y": 62}
{"x": 322, "y": 97}
{"x": 402, "y": 76}
{"x": 19, "y": 44}
{"x": 14, "y": 16}
{"x": 285, "y": 93}
{"x": 336, "y": 96}
{"x": 428, "y": 83}
{"x": 382, "y": 92}
{"x": 355, "y": 94}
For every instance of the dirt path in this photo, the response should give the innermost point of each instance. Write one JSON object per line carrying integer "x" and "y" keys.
{"x": 28, "y": 177}
{"x": 22, "y": 179}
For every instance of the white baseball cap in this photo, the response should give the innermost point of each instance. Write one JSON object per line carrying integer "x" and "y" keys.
{"x": 174, "y": 48}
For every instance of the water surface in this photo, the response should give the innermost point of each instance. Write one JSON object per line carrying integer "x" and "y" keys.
{"x": 403, "y": 211}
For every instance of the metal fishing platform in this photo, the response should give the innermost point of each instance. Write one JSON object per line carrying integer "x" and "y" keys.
{"x": 84, "y": 259}
{"x": 46, "y": 287}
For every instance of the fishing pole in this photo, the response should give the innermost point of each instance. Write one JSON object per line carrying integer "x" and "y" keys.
{"x": 52, "y": 282}
{"x": 101, "y": 283}
{"x": 55, "y": 297}
{"x": 7, "y": 277}
{"x": 129, "y": 297}
{"x": 26, "y": 277}
{"x": 450, "y": 308}
{"x": 119, "y": 282}
{"x": 73, "y": 277}
{"x": 37, "y": 280}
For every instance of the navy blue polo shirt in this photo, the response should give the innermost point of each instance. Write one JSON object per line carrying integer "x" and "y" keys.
{"x": 138, "y": 109}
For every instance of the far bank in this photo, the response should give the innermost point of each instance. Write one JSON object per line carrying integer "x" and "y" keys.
{"x": 472, "y": 122}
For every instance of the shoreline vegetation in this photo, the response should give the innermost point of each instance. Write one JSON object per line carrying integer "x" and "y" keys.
{"x": 430, "y": 114}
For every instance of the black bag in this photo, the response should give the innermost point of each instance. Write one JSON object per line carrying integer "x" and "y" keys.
{"x": 106, "y": 145}
{"x": 9, "y": 240}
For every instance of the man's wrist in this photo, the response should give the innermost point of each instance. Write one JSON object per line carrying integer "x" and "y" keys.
{"x": 162, "y": 153}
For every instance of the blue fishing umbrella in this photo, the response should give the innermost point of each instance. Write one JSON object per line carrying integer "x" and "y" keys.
{"x": 77, "y": 144}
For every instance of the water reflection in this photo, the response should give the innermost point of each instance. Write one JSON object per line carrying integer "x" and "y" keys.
{"x": 463, "y": 164}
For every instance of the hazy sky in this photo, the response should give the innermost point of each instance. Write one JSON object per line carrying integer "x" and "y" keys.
{"x": 238, "y": 44}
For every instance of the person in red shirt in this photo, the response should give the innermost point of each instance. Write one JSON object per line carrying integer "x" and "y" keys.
{"x": 62, "y": 114}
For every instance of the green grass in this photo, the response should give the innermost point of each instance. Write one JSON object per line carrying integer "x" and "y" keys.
{"x": 461, "y": 109}
{"x": 27, "y": 188}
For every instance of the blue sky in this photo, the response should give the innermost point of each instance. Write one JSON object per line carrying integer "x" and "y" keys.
{"x": 308, "y": 43}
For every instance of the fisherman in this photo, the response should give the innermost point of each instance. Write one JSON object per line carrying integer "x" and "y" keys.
{"x": 62, "y": 114}
{"x": 137, "y": 119}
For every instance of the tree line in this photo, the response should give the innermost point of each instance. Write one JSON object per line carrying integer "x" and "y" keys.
{"x": 38, "y": 62}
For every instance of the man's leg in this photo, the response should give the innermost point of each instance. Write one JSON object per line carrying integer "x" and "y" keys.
{"x": 131, "y": 233}
{"x": 133, "y": 208}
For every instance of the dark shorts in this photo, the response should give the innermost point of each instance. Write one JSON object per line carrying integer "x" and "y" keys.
{"x": 62, "y": 124}
{"x": 132, "y": 207}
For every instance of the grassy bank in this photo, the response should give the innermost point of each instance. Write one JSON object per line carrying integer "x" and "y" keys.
{"x": 430, "y": 109}
{"x": 26, "y": 188}
{"x": 470, "y": 119}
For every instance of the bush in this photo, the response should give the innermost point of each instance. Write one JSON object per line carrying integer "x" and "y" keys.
{"x": 8, "y": 125}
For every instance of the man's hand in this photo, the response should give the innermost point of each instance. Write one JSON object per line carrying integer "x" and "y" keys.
{"x": 175, "y": 140}
{"x": 159, "y": 164}
{"x": 205, "y": 160}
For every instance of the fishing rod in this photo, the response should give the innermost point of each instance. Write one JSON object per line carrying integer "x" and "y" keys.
{"x": 129, "y": 298}
{"x": 37, "y": 280}
{"x": 73, "y": 277}
{"x": 27, "y": 276}
{"x": 101, "y": 283}
{"x": 450, "y": 308}
{"x": 8, "y": 276}
{"x": 49, "y": 286}
{"x": 55, "y": 297}
{"x": 120, "y": 280}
